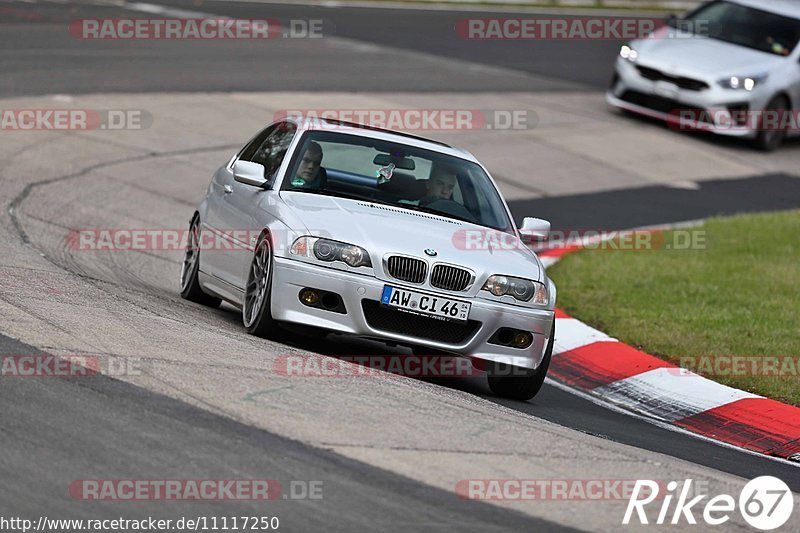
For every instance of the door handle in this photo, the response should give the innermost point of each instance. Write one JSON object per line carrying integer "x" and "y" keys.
{"x": 228, "y": 189}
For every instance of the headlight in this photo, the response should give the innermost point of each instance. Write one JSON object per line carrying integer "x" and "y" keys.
{"x": 522, "y": 289}
{"x": 747, "y": 83}
{"x": 328, "y": 251}
{"x": 626, "y": 52}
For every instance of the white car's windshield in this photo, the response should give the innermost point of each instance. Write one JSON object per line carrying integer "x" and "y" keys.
{"x": 746, "y": 26}
{"x": 364, "y": 168}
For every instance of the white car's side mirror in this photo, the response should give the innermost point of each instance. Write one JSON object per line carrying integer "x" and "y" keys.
{"x": 535, "y": 227}
{"x": 249, "y": 173}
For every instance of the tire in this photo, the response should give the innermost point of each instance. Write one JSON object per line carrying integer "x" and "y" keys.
{"x": 769, "y": 141}
{"x": 519, "y": 383}
{"x": 190, "y": 286}
{"x": 256, "y": 311}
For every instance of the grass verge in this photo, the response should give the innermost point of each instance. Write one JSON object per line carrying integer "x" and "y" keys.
{"x": 729, "y": 311}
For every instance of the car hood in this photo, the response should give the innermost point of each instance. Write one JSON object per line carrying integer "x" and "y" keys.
{"x": 383, "y": 229}
{"x": 703, "y": 58}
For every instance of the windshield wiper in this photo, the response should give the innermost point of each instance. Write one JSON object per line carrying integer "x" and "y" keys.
{"x": 433, "y": 211}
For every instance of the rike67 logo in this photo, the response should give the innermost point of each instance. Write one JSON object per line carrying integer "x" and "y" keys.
{"x": 766, "y": 503}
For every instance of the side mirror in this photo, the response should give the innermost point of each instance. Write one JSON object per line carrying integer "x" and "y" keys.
{"x": 535, "y": 228}
{"x": 249, "y": 173}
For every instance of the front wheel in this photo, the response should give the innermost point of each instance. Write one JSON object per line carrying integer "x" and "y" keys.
{"x": 770, "y": 137}
{"x": 190, "y": 286}
{"x": 519, "y": 383}
{"x": 256, "y": 311}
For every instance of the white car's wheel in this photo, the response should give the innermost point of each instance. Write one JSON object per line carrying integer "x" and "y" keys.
{"x": 770, "y": 140}
{"x": 256, "y": 313}
{"x": 190, "y": 287}
{"x": 520, "y": 383}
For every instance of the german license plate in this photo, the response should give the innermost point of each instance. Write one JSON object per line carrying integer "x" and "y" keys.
{"x": 425, "y": 304}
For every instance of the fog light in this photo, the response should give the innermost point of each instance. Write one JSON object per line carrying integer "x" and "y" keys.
{"x": 309, "y": 297}
{"x": 522, "y": 340}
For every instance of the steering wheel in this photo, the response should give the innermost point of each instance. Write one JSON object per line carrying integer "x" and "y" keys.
{"x": 451, "y": 207}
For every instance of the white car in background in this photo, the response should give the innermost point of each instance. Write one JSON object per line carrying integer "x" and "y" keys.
{"x": 333, "y": 225}
{"x": 725, "y": 67}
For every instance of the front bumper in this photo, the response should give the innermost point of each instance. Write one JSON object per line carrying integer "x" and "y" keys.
{"x": 635, "y": 93}
{"x": 290, "y": 277}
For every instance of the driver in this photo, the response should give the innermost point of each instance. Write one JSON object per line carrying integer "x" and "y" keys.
{"x": 308, "y": 173}
{"x": 440, "y": 185}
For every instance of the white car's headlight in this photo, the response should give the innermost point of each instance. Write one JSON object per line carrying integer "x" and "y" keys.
{"x": 329, "y": 251}
{"x": 626, "y": 52}
{"x": 745, "y": 83}
{"x": 523, "y": 290}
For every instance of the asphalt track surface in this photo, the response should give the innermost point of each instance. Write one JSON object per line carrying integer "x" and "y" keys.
{"x": 650, "y": 206}
{"x": 37, "y": 34}
{"x": 151, "y": 436}
{"x": 177, "y": 434}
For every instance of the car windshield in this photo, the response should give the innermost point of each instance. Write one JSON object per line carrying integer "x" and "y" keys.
{"x": 746, "y": 26}
{"x": 363, "y": 168}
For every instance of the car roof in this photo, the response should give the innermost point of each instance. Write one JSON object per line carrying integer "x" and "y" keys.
{"x": 789, "y": 8}
{"x": 365, "y": 130}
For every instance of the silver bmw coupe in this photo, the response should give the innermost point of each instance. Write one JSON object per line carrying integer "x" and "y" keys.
{"x": 356, "y": 230}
